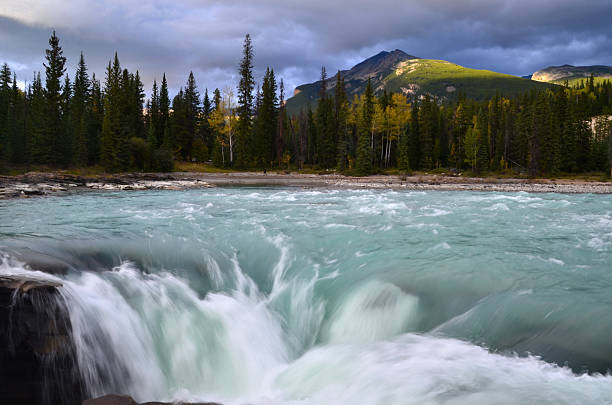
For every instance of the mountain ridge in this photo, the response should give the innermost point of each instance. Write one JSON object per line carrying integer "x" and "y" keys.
{"x": 398, "y": 71}
{"x": 559, "y": 74}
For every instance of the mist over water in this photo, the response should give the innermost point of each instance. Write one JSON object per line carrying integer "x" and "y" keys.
{"x": 283, "y": 296}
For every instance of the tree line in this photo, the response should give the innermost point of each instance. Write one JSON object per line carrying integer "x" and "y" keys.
{"x": 83, "y": 122}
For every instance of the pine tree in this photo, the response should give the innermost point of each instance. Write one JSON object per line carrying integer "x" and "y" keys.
{"x": 266, "y": 123}
{"x": 283, "y": 122}
{"x": 245, "y": 104}
{"x": 65, "y": 142}
{"x": 341, "y": 110}
{"x": 481, "y": 133}
{"x": 111, "y": 124}
{"x": 363, "y": 165}
{"x": 192, "y": 112}
{"x": 16, "y": 124}
{"x": 51, "y": 149}
{"x": 5, "y": 100}
{"x": 35, "y": 125}
{"x": 326, "y": 156}
{"x": 164, "y": 117}
{"x": 79, "y": 108}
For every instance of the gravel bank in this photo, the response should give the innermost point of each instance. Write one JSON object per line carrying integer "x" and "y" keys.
{"x": 40, "y": 184}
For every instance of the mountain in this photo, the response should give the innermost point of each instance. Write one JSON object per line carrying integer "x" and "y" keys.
{"x": 397, "y": 71}
{"x": 572, "y": 74}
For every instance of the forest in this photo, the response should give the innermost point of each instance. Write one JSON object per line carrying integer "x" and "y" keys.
{"x": 82, "y": 121}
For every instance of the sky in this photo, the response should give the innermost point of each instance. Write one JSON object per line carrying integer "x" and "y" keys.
{"x": 296, "y": 38}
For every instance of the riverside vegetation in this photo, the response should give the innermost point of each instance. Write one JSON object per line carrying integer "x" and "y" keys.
{"x": 111, "y": 126}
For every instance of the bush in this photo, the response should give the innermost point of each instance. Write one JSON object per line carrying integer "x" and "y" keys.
{"x": 163, "y": 161}
{"x": 139, "y": 151}
{"x": 199, "y": 151}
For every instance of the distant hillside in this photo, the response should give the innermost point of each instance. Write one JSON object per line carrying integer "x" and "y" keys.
{"x": 397, "y": 71}
{"x": 572, "y": 74}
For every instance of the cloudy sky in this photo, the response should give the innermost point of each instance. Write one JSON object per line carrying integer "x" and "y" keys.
{"x": 297, "y": 37}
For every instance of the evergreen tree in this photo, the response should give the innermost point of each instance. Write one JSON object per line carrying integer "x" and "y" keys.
{"x": 163, "y": 129}
{"x": 79, "y": 108}
{"x": 326, "y": 156}
{"x": 5, "y": 99}
{"x": 266, "y": 122}
{"x": 204, "y": 130}
{"x": 35, "y": 124}
{"x": 192, "y": 112}
{"x": 363, "y": 165}
{"x": 16, "y": 124}
{"x": 283, "y": 122}
{"x": 94, "y": 121}
{"x": 342, "y": 111}
{"x": 245, "y": 104}
{"x": 481, "y": 134}
{"x": 51, "y": 148}
{"x": 111, "y": 123}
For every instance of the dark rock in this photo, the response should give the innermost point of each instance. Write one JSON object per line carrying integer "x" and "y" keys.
{"x": 37, "y": 364}
{"x": 39, "y": 261}
{"x": 125, "y": 400}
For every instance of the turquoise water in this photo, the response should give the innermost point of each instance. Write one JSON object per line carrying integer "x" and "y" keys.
{"x": 277, "y": 296}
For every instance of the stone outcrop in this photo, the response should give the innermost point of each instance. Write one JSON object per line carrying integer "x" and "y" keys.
{"x": 36, "y": 353}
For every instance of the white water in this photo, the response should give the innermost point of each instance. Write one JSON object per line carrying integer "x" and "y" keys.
{"x": 275, "y": 306}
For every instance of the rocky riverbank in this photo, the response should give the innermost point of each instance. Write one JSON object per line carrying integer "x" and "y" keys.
{"x": 40, "y": 184}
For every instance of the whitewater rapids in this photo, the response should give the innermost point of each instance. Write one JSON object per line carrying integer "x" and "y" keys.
{"x": 280, "y": 296}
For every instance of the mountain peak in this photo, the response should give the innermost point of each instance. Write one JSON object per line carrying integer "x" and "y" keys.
{"x": 381, "y": 63}
{"x": 398, "y": 72}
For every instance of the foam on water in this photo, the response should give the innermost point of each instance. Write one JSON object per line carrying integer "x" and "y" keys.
{"x": 274, "y": 296}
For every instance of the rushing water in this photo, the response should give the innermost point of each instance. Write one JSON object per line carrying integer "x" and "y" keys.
{"x": 277, "y": 296}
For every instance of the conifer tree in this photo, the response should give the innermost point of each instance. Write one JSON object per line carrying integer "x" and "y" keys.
{"x": 51, "y": 149}
{"x": 111, "y": 124}
{"x": 35, "y": 125}
{"x": 245, "y": 105}
{"x": 266, "y": 122}
{"x": 341, "y": 110}
{"x": 79, "y": 108}
{"x": 363, "y": 165}
{"x": 326, "y": 156}
{"x": 5, "y": 99}
{"x": 163, "y": 129}
{"x": 16, "y": 124}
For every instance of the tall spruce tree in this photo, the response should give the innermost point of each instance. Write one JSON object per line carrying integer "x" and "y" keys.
{"x": 54, "y": 134}
{"x": 245, "y": 105}
{"x": 326, "y": 153}
{"x": 111, "y": 123}
{"x": 363, "y": 165}
{"x": 266, "y": 122}
{"x": 5, "y": 100}
{"x": 79, "y": 117}
{"x": 342, "y": 112}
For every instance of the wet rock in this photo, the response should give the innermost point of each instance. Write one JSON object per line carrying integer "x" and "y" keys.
{"x": 39, "y": 261}
{"x": 37, "y": 364}
{"x": 125, "y": 400}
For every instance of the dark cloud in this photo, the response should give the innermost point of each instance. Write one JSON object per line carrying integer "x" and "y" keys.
{"x": 296, "y": 37}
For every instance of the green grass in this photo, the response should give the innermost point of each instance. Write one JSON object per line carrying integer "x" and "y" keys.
{"x": 436, "y": 76}
{"x": 199, "y": 168}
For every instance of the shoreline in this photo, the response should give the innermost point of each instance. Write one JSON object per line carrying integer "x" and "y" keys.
{"x": 54, "y": 183}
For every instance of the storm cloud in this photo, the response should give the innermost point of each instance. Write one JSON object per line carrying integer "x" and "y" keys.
{"x": 297, "y": 37}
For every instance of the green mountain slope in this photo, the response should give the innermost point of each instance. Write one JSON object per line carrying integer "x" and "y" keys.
{"x": 399, "y": 72}
{"x": 572, "y": 74}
